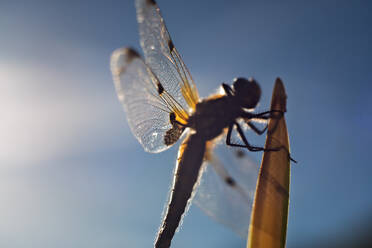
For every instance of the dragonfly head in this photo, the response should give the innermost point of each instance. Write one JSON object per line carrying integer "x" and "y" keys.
{"x": 247, "y": 92}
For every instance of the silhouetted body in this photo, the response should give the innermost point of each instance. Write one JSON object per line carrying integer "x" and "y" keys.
{"x": 210, "y": 118}
{"x": 161, "y": 101}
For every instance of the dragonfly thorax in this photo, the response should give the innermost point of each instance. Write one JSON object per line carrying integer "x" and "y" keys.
{"x": 216, "y": 113}
{"x": 212, "y": 115}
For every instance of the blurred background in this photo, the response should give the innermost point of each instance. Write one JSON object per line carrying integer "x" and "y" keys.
{"x": 73, "y": 175}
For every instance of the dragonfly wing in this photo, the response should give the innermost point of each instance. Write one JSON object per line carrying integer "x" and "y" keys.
{"x": 162, "y": 56}
{"x": 227, "y": 187}
{"x": 146, "y": 103}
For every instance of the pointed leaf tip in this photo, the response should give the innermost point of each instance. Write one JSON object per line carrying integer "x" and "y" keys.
{"x": 279, "y": 97}
{"x": 268, "y": 225}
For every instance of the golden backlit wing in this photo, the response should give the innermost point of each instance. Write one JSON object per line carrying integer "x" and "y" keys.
{"x": 157, "y": 90}
{"x": 162, "y": 56}
{"x": 147, "y": 104}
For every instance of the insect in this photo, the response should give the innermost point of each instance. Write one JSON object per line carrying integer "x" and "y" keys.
{"x": 162, "y": 103}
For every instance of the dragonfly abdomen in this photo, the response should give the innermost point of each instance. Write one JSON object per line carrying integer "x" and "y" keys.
{"x": 187, "y": 172}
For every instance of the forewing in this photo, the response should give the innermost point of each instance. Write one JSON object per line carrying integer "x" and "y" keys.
{"x": 162, "y": 56}
{"x": 146, "y": 103}
{"x": 228, "y": 202}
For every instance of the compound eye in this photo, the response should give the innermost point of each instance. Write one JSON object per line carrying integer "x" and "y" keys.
{"x": 247, "y": 91}
{"x": 240, "y": 84}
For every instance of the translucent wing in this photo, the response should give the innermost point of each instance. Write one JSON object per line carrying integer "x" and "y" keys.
{"x": 148, "y": 106}
{"x": 162, "y": 56}
{"x": 227, "y": 187}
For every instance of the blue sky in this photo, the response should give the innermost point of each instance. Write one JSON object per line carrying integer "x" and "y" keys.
{"x": 71, "y": 173}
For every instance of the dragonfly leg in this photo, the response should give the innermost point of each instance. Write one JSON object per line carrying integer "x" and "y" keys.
{"x": 248, "y": 146}
{"x": 256, "y": 129}
{"x": 260, "y": 116}
{"x": 246, "y": 143}
{"x": 227, "y": 89}
{"x": 240, "y": 131}
{"x": 265, "y": 115}
{"x": 228, "y": 137}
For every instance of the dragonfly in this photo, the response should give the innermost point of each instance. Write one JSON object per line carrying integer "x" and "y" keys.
{"x": 162, "y": 105}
